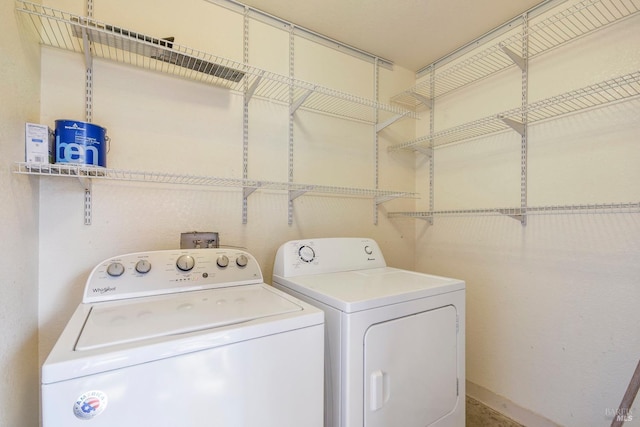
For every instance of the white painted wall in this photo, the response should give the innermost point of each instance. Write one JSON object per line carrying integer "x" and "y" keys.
{"x": 552, "y": 321}
{"x": 20, "y": 88}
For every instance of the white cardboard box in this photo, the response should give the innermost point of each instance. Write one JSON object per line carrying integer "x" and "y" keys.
{"x": 38, "y": 144}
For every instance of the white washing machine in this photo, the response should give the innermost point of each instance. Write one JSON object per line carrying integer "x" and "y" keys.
{"x": 395, "y": 339}
{"x": 188, "y": 338}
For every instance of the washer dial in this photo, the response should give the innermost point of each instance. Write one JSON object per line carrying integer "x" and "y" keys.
{"x": 306, "y": 253}
{"x": 143, "y": 266}
{"x": 222, "y": 261}
{"x": 115, "y": 269}
{"x": 368, "y": 250}
{"x": 242, "y": 261}
{"x": 185, "y": 262}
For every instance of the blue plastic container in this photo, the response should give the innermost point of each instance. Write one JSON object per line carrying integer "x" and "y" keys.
{"x": 81, "y": 143}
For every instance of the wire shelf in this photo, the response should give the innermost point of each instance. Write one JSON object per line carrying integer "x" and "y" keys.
{"x": 97, "y": 39}
{"x": 613, "y": 90}
{"x": 597, "y": 208}
{"x": 90, "y": 172}
{"x": 564, "y": 26}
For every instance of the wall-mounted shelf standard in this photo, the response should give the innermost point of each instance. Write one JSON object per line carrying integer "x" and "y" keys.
{"x": 616, "y": 89}
{"x": 518, "y": 213}
{"x": 87, "y": 174}
{"x": 97, "y": 39}
{"x": 562, "y": 27}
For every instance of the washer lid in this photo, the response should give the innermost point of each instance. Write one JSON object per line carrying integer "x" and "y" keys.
{"x": 359, "y": 290}
{"x": 128, "y": 321}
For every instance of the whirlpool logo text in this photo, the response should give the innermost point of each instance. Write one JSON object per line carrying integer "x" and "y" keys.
{"x": 104, "y": 290}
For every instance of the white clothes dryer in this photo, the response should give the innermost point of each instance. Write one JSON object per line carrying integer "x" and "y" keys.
{"x": 395, "y": 339}
{"x": 187, "y": 338}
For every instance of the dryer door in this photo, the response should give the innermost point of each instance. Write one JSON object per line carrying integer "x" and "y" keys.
{"x": 411, "y": 369}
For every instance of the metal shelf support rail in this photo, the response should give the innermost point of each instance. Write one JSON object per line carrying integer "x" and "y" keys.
{"x": 524, "y": 117}
{"x": 248, "y": 93}
{"x": 87, "y": 45}
{"x": 64, "y": 30}
{"x": 292, "y": 194}
{"x": 376, "y": 139}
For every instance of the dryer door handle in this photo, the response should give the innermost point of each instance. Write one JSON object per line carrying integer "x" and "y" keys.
{"x": 378, "y": 389}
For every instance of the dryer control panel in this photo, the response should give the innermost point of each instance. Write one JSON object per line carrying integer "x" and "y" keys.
{"x": 169, "y": 271}
{"x": 327, "y": 255}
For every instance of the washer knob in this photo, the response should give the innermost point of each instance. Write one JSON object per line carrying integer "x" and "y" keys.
{"x": 242, "y": 261}
{"x": 185, "y": 262}
{"x": 368, "y": 250}
{"x": 143, "y": 266}
{"x": 306, "y": 253}
{"x": 222, "y": 261}
{"x": 115, "y": 269}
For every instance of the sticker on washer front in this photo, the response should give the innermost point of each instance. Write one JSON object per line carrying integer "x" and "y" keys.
{"x": 90, "y": 404}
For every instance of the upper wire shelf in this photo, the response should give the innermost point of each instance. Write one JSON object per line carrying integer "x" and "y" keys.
{"x": 616, "y": 89}
{"x": 248, "y": 185}
{"x": 573, "y": 22}
{"x": 93, "y": 38}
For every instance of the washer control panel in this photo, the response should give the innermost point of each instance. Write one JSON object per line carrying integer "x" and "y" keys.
{"x": 161, "y": 272}
{"x": 328, "y": 255}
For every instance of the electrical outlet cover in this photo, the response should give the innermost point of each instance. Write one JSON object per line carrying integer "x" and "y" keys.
{"x": 198, "y": 240}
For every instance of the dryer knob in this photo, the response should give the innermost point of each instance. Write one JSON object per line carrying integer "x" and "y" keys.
{"x": 306, "y": 253}
{"x": 115, "y": 269}
{"x": 185, "y": 262}
{"x": 242, "y": 261}
{"x": 222, "y": 261}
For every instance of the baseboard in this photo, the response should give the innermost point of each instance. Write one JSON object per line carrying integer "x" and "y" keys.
{"x": 507, "y": 407}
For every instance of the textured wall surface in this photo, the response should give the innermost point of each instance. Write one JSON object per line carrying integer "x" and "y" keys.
{"x": 19, "y": 86}
{"x": 552, "y": 318}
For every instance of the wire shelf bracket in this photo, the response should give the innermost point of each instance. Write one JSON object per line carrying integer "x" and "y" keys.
{"x": 427, "y": 151}
{"x": 392, "y": 120}
{"x": 424, "y": 100}
{"x": 517, "y": 216}
{"x": 300, "y": 101}
{"x": 514, "y": 124}
{"x": 517, "y": 59}
{"x": 252, "y": 89}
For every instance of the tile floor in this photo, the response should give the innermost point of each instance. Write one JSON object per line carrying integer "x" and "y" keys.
{"x": 479, "y": 415}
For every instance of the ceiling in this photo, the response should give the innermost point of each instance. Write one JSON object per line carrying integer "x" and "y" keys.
{"x": 410, "y": 33}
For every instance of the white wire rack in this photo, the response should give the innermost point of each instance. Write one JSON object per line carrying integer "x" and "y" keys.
{"x": 518, "y": 213}
{"x": 573, "y": 22}
{"x": 616, "y": 89}
{"x": 248, "y": 185}
{"x": 93, "y": 38}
